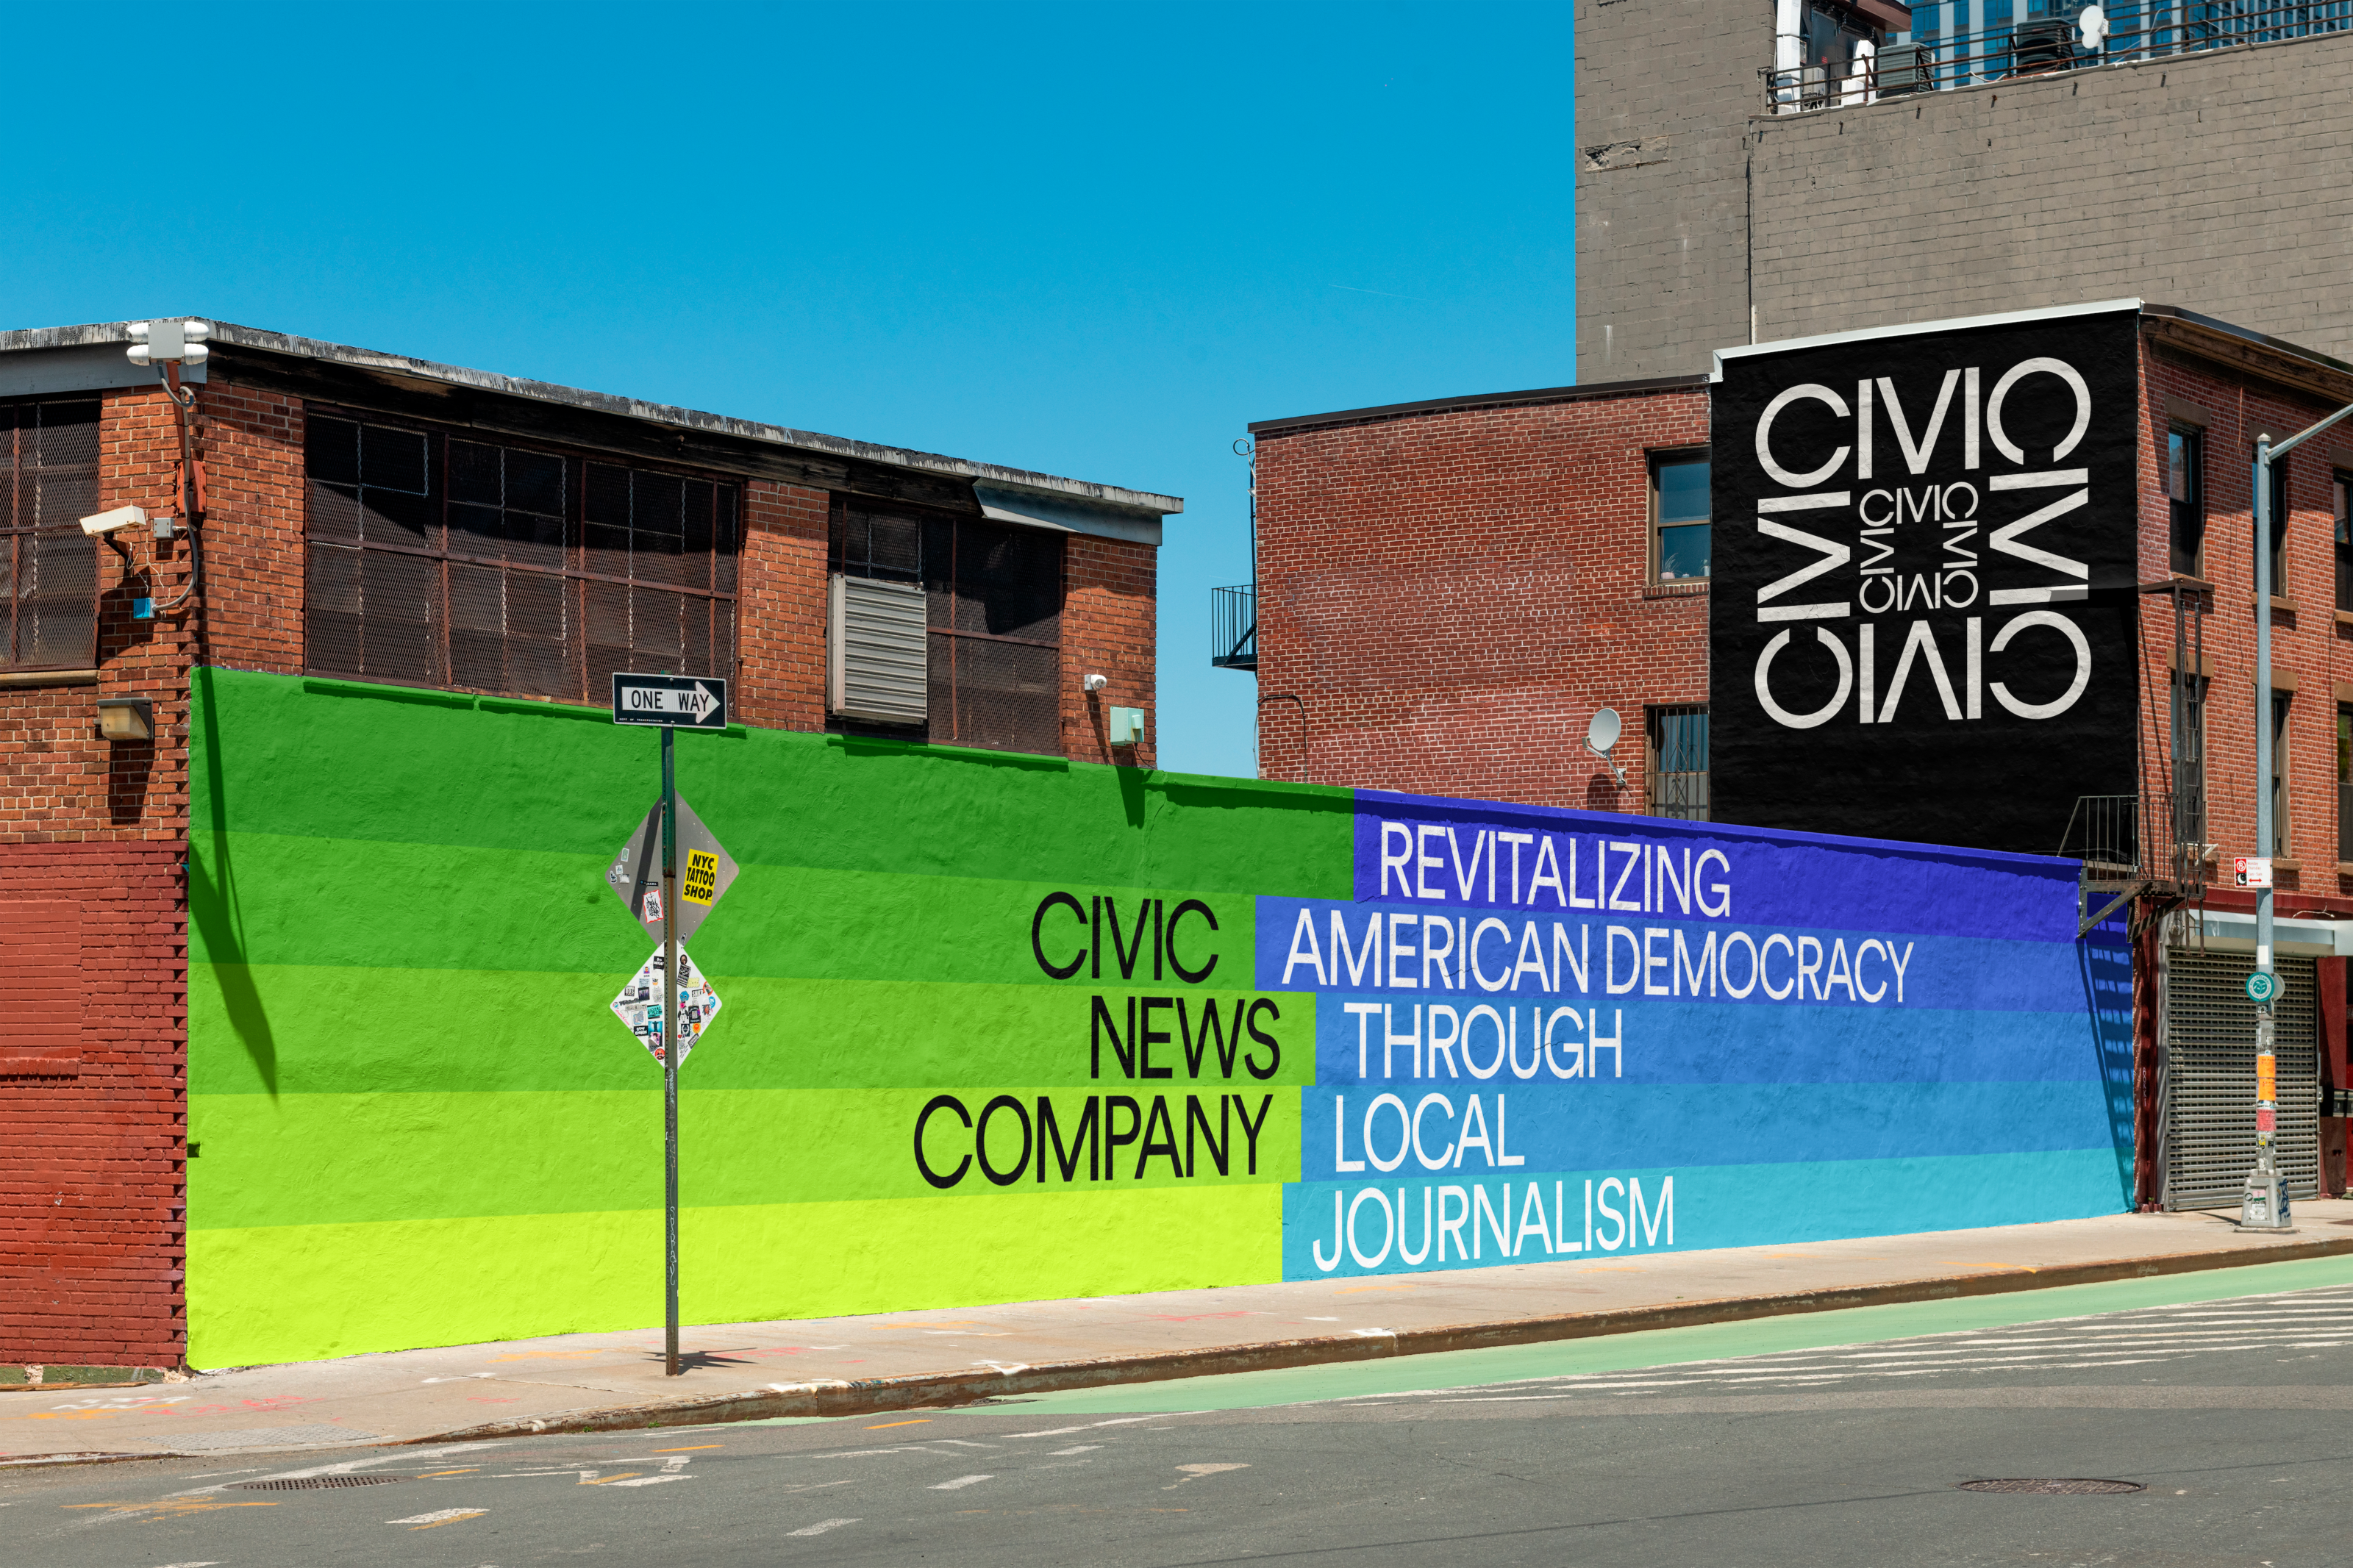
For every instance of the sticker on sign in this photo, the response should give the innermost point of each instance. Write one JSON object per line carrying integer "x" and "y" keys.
{"x": 678, "y": 702}
{"x": 640, "y": 1006}
{"x": 705, "y": 870}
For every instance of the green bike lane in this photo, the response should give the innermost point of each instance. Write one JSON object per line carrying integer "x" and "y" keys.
{"x": 1655, "y": 1348}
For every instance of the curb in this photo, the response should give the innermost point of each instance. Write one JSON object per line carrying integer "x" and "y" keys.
{"x": 927, "y": 1390}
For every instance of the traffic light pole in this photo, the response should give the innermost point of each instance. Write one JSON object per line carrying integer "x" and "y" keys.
{"x": 669, "y": 1051}
{"x": 2263, "y": 1205}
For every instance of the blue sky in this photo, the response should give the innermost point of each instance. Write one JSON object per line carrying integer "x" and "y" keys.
{"x": 1095, "y": 240}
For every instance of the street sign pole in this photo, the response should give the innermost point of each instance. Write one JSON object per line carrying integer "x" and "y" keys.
{"x": 669, "y": 1051}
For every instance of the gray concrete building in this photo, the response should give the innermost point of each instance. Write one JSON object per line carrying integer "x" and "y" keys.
{"x": 1740, "y": 180}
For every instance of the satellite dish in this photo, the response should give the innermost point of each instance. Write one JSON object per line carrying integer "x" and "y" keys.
{"x": 1600, "y": 735}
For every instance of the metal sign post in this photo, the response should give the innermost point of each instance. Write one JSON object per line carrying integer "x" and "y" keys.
{"x": 668, "y": 701}
{"x": 2264, "y": 1204}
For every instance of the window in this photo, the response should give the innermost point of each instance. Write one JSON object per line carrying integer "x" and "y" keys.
{"x": 2344, "y": 783}
{"x": 436, "y": 561}
{"x": 2188, "y": 739}
{"x": 48, "y": 566}
{"x": 2278, "y": 507}
{"x": 2279, "y": 776}
{"x": 2185, "y": 485}
{"x": 2342, "y": 485}
{"x": 993, "y": 618}
{"x": 1675, "y": 778}
{"x": 1679, "y": 527}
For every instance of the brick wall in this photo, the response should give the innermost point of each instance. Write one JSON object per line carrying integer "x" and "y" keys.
{"x": 781, "y": 617}
{"x": 1664, "y": 89}
{"x": 1446, "y": 597}
{"x": 1108, "y": 628}
{"x": 2312, "y": 645}
{"x": 2151, "y": 180}
{"x": 92, "y": 1184}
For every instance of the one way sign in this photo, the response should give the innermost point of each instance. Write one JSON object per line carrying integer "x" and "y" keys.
{"x": 680, "y": 701}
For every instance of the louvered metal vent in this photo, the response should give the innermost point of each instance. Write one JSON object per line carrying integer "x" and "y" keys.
{"x": 2209, "y": 1088}
{"x": 875, "y": 648}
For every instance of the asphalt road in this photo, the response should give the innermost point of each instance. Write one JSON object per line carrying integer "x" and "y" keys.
{"x": 2236, "y": 1415}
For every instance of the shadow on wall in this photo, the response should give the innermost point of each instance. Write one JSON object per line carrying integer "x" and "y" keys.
{"x": 2104, "y": 959}
{"x": 212, "y": 897}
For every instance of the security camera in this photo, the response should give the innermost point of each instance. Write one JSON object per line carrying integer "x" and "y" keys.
{"x": 109, "y": 522}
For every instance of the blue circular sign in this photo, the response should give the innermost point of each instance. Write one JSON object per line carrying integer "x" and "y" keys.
{"x": 2262, "y": 987}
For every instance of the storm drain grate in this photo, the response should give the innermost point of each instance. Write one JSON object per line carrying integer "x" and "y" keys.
{"x": 306, "y": 1483}
{"x": 2067, "y": 1487}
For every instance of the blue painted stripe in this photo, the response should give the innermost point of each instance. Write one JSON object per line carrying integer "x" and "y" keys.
{"x": 1712, "y": 1206}
{"x": 1689, "y": 1042}
{"x": 1608, "y": 1123}
{"x": 1628, "y": 957}
{"x": 1767, "y": 878}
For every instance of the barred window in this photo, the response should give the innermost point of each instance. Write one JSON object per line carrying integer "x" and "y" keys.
{"x": 437, "y": 560}
{"x": 994, "y": 611}
{"x": 48, "y": 566}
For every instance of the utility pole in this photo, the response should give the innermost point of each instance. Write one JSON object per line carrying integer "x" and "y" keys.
{"x": 2264, "y": 1204}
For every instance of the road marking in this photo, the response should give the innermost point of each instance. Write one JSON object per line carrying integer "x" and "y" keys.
{"x": 651, "y": 1480}
{"x": 959, "y": 1443}
{"x": 693, "y": 1449}
{"x": 1081, "y": 1448}
{"x": 959, "y": 1483}
{"x": 821, "y": 1526}
{"x": 437, "y": 1475}
{"x": 1085, "y": 1426}
{"x": 211, "y": 1564}
{"x": 918, "y": 1421}
{"x": 438, "y": 1518}
{"x": 588, "y": 1478}
{"x": 1195, "y": 1472}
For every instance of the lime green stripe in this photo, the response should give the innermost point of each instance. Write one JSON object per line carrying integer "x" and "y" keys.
{"x": 307, "y": 1159}
{"x": 272, "y": 1029}
{"x": 303, "y": 1292}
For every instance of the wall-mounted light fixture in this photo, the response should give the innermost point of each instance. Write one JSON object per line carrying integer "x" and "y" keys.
{"x": 1096, "y": 682}
{"x": 157, "y": 342}
{"x": 126, "y": 718}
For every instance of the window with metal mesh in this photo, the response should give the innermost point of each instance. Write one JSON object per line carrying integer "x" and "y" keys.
{"x": 993, "y": 609}
{"x": 1677, "y": 754}
{"x": 439, "y": 560}
{"x": 48, "y": 566}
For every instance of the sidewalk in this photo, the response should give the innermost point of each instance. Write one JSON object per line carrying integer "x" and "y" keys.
{"x": 844, "y": 1366}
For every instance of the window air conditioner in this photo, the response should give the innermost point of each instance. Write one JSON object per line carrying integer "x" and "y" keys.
{"x": 876, "y": 651}
{"x": 1903, "y": 68}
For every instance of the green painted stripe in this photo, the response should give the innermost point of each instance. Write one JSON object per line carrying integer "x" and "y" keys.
{"x": 262, "y": 898}
{"x": 293, "y": 1030}
{"x": 311, "y": 1159}
{"x": 306, "y": 1292}
{"x": 345, "y": 762}
{"x": 1707, "y": 1342}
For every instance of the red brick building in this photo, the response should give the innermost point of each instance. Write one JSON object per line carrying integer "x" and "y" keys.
{"x": 348, "y": 513}
{"x": 1448, "y": 591}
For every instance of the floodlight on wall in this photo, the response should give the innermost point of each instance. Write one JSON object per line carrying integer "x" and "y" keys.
{"x": 156, "y": 342}
{"x": 1601, "y": 734}
{"x": 126, "y": 718}
{"x": 1096, "y": 682}
{"x": 108, "y": 522}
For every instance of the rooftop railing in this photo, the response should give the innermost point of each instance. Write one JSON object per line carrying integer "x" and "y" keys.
{"x": 1928, "y": 61}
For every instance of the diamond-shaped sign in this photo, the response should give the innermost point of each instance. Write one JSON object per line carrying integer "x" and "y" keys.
{"x": 705, "y": 871}
{"x": 640, "y": 1005}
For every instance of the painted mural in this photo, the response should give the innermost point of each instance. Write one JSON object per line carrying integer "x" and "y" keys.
{"x": 1001, "y": 1028}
